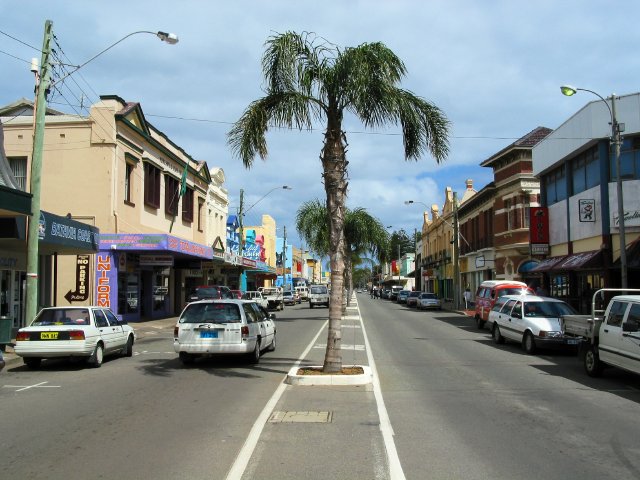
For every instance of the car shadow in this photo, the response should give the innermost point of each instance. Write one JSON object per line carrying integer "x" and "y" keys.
{"x": 221, "y": 366}
{"x": 60, "y": 365}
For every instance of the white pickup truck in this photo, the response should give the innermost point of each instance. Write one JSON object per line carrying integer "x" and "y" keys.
{"x": 610, "y": 336}
{"x": 274, "y": 297}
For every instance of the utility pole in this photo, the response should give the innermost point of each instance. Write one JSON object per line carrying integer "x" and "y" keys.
{"x": 44, "y": 79}
{"x": 617, "y": 141}
{"x": 456, "y": 254}
{"x": 284, "y": 258}
{"x": 243, "y": 275}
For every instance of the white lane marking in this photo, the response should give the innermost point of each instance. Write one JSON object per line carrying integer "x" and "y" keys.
{"x": 344, "y": 346}
{"x": 245, "y": 453}
{"x": 27, "y": 387}
{"x": 395, "y": 467}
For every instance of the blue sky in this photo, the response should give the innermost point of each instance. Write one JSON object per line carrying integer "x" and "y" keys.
{"x": 494, "y": 68}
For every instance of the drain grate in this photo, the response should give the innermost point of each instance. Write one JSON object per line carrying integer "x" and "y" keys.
{"x": 301, "y": 417}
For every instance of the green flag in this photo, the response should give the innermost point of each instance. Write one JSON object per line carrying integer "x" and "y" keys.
{"x": 183, "y": 181}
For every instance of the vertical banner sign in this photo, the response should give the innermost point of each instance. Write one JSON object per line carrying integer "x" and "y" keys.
{"x": 81, "y": 293}
{"x": 539, "y": 230}
{"x": 106, "y": 280}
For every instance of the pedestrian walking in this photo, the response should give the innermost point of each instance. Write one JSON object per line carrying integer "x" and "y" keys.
{"x": 467, "y": 298}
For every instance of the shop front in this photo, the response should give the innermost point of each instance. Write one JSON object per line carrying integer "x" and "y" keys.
{"x": 147, "y": 276}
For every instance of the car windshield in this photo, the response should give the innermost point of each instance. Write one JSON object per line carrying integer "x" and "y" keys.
{"x": 414, "y": 294}
{"x": 62, "y": 316}
{"x": 211, "y": 313}
{"x": 206, "y": 292}
{"x": 547, "y": 309}
{"x": 318, "y": 290}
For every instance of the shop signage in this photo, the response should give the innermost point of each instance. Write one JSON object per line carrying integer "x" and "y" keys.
{"x": 112, "y": 241}
{"x": 193, "y": 273}
{"x": 252, "y": 251}
{"x": 587, "y": 210}
{"x": 539, "y": 249}
{"x": 156, "y": 260}
{"x": 631, "y": 218}
{"x": 57, "y": 230}
{"x": 106, "y": 280}
{"x": 539, "y": 225}
{"x": 81, "y": 292}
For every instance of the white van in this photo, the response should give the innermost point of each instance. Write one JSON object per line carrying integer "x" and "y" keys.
{"x": 303, "y": 292}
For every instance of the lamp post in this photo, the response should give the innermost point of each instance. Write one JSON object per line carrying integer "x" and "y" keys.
{"x": 616, "y": 141}
{"x": 241, "y": 213}
{"x": 43, "y": 85}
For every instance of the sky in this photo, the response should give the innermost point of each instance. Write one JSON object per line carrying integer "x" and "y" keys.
{"x": 493, "y": 67}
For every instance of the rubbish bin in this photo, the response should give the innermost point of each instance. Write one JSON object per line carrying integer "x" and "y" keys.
{"x": 6, "y": 324}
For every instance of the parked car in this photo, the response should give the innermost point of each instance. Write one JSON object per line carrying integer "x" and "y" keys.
{"x": 395, "y": 289}
{"x": 257, "y": 297}
{"x": 532, "y": 321}
{"x": 210, "y": 292}
{"x": 236, "y": 293}
{"x": 1, "y": 361}
{"x": 87, "y": 333}
{"x": 227, "y": 326}
{"x": 412, "y": 299}
{"x": 402, "y": 296}
{"x": 289, "y": 298}
{"x": 489, "y": 291}
{"x": 428, "y": 301}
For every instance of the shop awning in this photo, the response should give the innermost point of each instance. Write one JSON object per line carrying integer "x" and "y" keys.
{"x": 528, "y": 266}
{"x": 633, "y": 255}
{"x": 580, "y": 261}
{"x": 547, "y": 264}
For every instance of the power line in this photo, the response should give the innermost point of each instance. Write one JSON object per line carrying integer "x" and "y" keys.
{"x": 20, "y": 41}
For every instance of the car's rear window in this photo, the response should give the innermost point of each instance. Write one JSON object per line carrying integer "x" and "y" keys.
{"x": 429, "y": 295}
{"x": 318, "y": 290}
{"x": 211, "y": 313}
{"x": 62, "y": 316}
{"x": 547, "y": 309}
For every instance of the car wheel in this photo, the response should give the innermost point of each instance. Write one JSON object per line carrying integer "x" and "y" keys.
{"x": 254, "y": 357}
{"x": 187, "y": 358}
{"x": 272, "y": 347}
{"x": 480, "y": 323}
{"x": 32, "y": 362}
{"x": 529, "y": 343}
{"x": 128, "y": 348}
{"x": 311, "y": 305}
{"x": 592, "y": 364}
{"x": 497, "y": 336}
{"x": 97, "y": 356}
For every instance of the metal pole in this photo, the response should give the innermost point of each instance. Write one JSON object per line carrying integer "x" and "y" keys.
{"x": 284, "y": 258}
{"x": 615, "y": 139}
{"x": 36, "y": 170}
{"x": 243, "y": 275}
{"x": 456, "y": 264}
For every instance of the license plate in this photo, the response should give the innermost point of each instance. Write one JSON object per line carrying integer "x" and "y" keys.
{"x": 209, "y": 334}
{"x": 49, "y": 335}
{"x": 572, "y": 341}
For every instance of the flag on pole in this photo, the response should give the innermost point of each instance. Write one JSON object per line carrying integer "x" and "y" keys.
{"x": 183, "y": 190}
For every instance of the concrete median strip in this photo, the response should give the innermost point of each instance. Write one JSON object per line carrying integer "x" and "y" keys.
{"x": 364, "y": 378}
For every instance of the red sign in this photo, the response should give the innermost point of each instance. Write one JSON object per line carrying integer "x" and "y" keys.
{"x": 539, "y": 225}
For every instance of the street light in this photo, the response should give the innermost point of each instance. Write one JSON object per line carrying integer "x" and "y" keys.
{"x": 616, "y": 141}
{"x": 42, "y": 87}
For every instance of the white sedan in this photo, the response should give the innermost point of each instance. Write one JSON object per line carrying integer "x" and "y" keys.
{"x": 428, "y": 301}
{"x": 85, "y": 332}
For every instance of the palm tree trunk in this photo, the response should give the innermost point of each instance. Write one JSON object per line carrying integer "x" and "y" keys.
{"x": 335, "y": 184}
{"x": 348, "y": 276}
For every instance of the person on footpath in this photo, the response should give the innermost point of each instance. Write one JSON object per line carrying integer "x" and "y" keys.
{"x": 467, "y": 298}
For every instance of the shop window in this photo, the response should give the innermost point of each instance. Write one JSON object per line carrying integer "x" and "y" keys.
{"x": 556, "y": 185}
{"x": 200, "y": 214}
{"x": 585, "y": 171}
{"x": 128, "y": 183}
{"x": 560, "y": 286}
{"x": 171, "y": 193}
{"x": 151, "y": 185}
{"x": 19, "y": 169}
{"x": 128, "y": 293}
{"x": 187, "y": 205}
{"x": 629, "y": 160}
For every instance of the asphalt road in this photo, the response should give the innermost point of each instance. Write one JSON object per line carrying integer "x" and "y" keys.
{"x": 141, "y": 417}
{"x": 460, "y": 407}
{"x": 464, "y": 408}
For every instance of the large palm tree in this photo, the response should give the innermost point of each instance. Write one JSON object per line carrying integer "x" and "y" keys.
{"x": 362, "y": 234}
{"x": 308, "y": 79}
